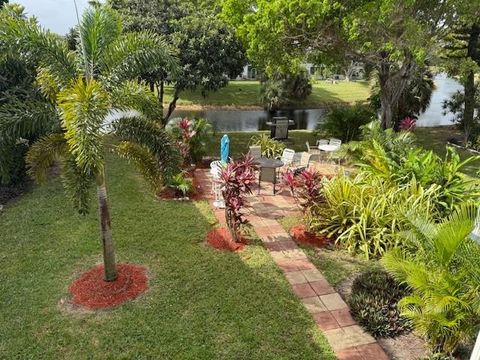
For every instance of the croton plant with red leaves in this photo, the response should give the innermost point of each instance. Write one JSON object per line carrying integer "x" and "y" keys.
{"x": 306, "y": 187}
{"x": 186, "y": 134}
{"x": 237, "y": 178}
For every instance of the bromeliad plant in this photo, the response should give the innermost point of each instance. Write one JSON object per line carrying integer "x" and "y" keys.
{"x": 192, "y": 137}
{"x": 237, "y": 179}
{"x": 85, "y": 86}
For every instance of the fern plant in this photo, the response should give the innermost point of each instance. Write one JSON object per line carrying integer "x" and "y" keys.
{"x": 440, "y": 265}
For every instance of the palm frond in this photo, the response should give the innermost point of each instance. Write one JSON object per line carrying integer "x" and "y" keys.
{"x": 151, "y": 135}
{"x": 134, "y": 54}
{"x": 43, "y": 153}
{"x": 30, "y": 42}
{"x": 134, "y": 95}
{"x": 83, "y": 108}
{"x": 25, "y": 118}
{"x": 77, "y": 185}
{"x": 99, "y": 28}
{"x": 145, "y": 162}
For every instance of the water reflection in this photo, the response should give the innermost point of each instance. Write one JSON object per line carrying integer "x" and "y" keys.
{"x": 253, "y": 120}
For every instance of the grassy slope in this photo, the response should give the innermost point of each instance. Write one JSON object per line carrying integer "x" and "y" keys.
{"x": 202, "y": 304}
{"x": 246, "y": 93}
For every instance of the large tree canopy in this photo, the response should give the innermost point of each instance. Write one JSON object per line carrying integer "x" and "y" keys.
{"x": 391, "y": 36}
{"x": 208, "y": 49}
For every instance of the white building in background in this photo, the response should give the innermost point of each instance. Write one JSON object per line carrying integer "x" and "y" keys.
{"x": 354, "y": 72}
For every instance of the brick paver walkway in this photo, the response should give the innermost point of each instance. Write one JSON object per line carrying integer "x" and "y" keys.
{"x": 328, "y": 309}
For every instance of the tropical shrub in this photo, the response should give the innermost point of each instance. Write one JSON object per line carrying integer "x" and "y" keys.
{"x": 237, "y": 178}
{"x": 181, "y": 183}
{"x": 271, "y": 148}
{"x": 365, "y": 213}
{"x": 440, "y": 265}
{"x": 306, "y": 188}
{"x": 408, "y": 123}
{"x": 285, "y": 90}
{"x": 192, "y": 136}
{"x": 373, "y": 303}
{"x": 345, "y": 122}
{"x": 394, "y": 158}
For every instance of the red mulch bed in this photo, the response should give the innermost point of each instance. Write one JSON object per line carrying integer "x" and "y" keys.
{"x": 221, "y": 239}
{"x": 92, "y": 292}
{"x": 301, "y": 235}
{"x": 195, "y": 195}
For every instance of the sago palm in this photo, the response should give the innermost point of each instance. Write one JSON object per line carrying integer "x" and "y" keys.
{"x": 86, "y": 85}
{"x": 441, "y": 267}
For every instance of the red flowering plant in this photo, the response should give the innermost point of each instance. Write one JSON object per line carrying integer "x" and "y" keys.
{"x": 408, "y": 124}
{"x": 186, "y": 134}
{"x": 306, "y": 188}
{"x": 237, "y": 178}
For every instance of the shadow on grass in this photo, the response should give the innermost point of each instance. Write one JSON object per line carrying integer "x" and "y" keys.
{"x": 202, "y": 303}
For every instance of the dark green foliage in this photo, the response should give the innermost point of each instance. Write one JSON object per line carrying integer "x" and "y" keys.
{"x": 24, "y": 116}
{"x": 345, "y": 122}
{"x": 373, "y": 303}
{"x": 285, "y": 90}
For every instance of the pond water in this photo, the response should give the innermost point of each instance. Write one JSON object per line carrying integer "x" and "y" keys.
{"x": 253, "y": 120}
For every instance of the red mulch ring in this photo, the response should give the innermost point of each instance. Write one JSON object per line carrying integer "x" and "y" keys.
{"x": 301, "y": 235}
{"x": 221, "y": 239}
{"x": 91, "y": 291}
{"x": 195, "y": 195}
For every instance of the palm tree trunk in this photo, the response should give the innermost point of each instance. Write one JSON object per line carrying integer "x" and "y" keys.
{"x": 106, "y": 229}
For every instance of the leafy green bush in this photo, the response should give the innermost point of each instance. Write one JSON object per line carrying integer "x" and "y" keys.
{"x": 440, "y": 264}
{"x": 365, "y": 213}
{"x": 271, "y": 148}
{"x": 345, "y": 122}
{"x": 373, "y": 303}
{"x": 394, "y": 158}
{"x": 285, "y": 90}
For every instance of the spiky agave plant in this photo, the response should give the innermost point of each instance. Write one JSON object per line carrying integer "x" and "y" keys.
{"x": 86, "y": 85}
{"x": 440, "y": 265}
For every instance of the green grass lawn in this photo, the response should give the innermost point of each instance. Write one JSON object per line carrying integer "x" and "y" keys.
{"x": 246, "y": 93}
{"x": 239, "y": 141}
{"x": 202, "y": 303}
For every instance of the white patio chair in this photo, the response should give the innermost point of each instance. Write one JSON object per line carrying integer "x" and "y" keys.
{"x": 310, "y": 150}
{"x": 215, "y": 170}
{"x": 287, "y": 157}
{"x": 336, "y": 142}
{"x": 322, "y": 142}
{"x": 304, "y": 162}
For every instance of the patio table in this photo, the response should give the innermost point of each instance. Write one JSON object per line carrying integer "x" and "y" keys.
{"x": 328, "y": 148}
{"x": 268, "y": 170}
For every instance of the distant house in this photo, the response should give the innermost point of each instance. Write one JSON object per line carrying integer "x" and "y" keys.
{"x": 354, "y": 72}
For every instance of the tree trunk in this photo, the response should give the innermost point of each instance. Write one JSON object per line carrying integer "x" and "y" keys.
{"x": 106, "y": 229}
{"x": 392, "y": 86}
{"x": 160, "y": 92}
{"x": 172, "y": 106}
{"x": 151, "y": 85}
{"x": 469, "y": 110}
{"x": 469, "y": 86}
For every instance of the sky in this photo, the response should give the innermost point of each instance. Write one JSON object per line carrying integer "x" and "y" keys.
{"x": 56, "y": 15}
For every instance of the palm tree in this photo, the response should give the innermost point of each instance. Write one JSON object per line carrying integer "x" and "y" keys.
{"x": 86, "y": 85}
{"x": 441, "y": 267}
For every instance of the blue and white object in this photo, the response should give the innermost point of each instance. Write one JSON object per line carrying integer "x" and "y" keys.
{"x": 224, "y": 148}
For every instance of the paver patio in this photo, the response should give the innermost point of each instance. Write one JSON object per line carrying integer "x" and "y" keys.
{"x": 328, "y": 309}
